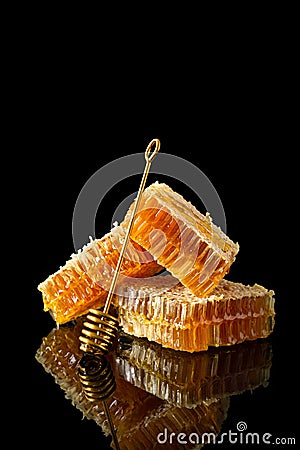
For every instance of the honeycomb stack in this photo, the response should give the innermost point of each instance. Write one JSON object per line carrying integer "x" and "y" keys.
{"x": 192, "y": 308}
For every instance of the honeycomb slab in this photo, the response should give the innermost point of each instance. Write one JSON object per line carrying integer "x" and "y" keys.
{"x": 181, "y": 239}
{"x": 177, "y": 319}
{"x": 84, "y": 281}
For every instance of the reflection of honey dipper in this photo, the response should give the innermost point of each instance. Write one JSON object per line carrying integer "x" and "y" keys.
{"x": 137, "y": 415}
{"x": 99, "y": 330}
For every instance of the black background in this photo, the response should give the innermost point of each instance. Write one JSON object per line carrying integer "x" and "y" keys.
{"x": 234, "y": 120}
{"x": 248, "y": 160}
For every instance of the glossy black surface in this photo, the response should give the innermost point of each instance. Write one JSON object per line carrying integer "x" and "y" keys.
{"x": 260, "y": 214}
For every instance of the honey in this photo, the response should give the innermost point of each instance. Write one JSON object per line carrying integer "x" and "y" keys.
{"x": 181, "y": 239}
{"x": 168, "y": 232}
{"x": 177, "y": 319}
{"x": 148, "y": 388}
{"x": 83, "y": 282}
{"x": 200, "y": 338}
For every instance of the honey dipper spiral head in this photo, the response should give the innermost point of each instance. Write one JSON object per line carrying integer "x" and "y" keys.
{"x": 98, "y": 332}
{"x": 96, "y": 377}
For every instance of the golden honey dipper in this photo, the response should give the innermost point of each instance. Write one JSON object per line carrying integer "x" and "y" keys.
{"x": 100, "y": 328}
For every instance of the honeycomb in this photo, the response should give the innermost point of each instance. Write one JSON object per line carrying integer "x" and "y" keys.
{"x": 174, "y": 317}
{"x": 84, "y": 281}
{"x": 181, "y": 239}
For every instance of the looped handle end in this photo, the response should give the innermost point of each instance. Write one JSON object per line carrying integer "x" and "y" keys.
{"x": 150, "y": 152}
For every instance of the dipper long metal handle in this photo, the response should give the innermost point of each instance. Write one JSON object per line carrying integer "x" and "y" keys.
{"x": 149, "y": 156}
{"x": 95, "y": 373}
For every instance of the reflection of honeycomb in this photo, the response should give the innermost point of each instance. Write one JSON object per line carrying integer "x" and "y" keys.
{"x": 187, "y": 379}
{"x": 175, "y": 318}
{"x": 193, "y": 249}
{"x": 137, "y": 415}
